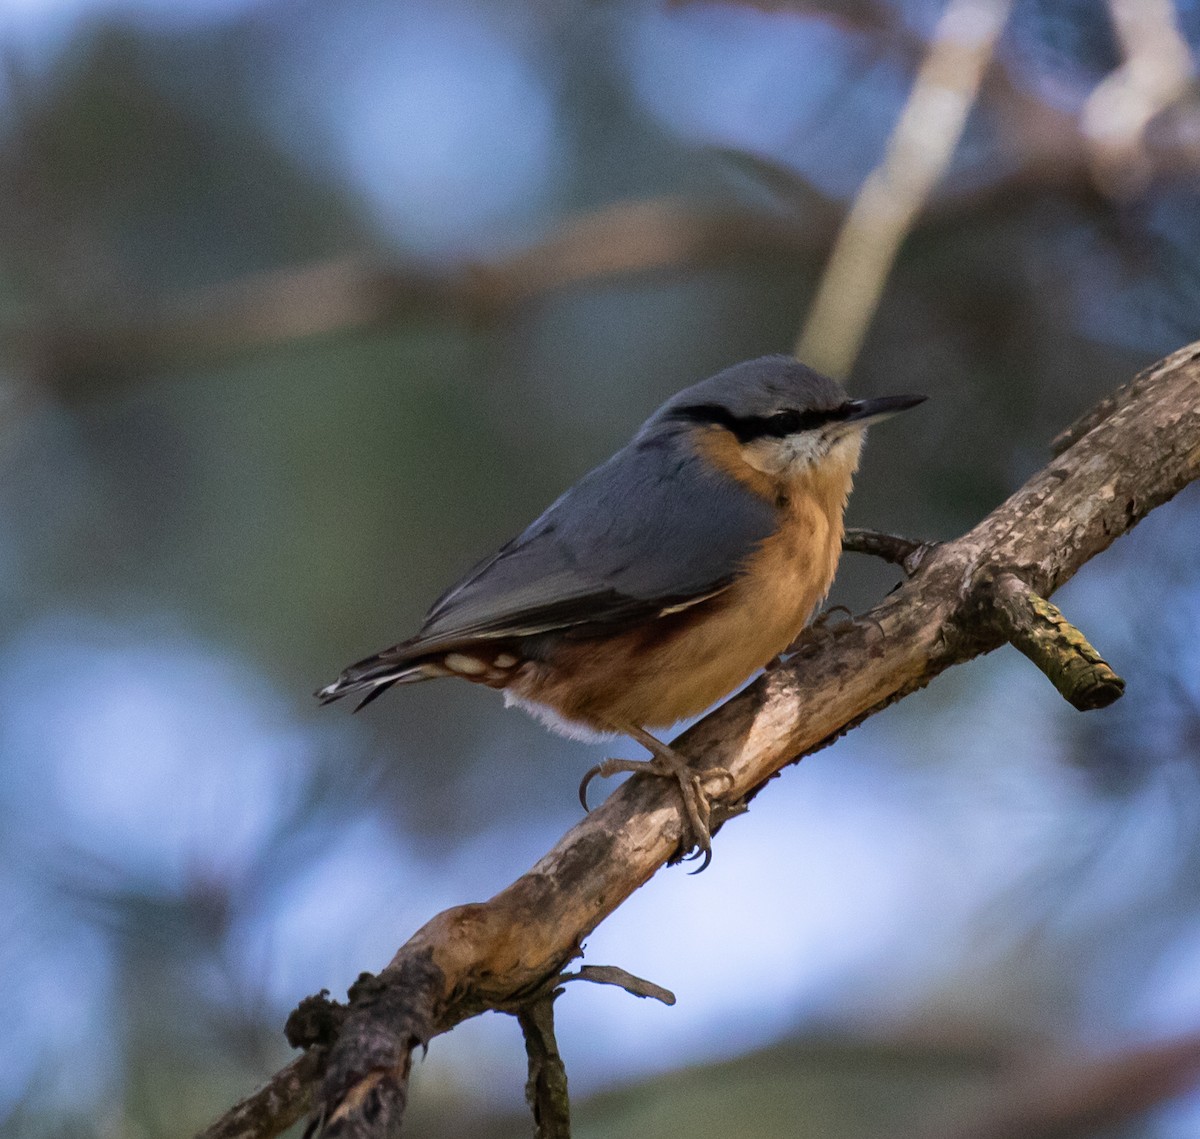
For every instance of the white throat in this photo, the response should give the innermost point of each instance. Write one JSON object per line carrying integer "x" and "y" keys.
{"x": 794, "y": 454}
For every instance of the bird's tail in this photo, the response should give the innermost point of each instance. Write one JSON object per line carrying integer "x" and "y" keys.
{"x": 373, "y": 676}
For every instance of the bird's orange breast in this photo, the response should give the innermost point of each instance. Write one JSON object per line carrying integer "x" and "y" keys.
{"x": 677, "y": 665}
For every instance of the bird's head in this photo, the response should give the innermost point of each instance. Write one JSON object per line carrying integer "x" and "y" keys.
{"x": 777, "y": 416}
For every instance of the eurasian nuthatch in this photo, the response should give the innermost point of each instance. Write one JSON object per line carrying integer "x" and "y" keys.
{"x": 664, "y": 578}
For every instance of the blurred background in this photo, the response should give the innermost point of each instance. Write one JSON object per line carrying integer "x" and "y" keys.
{"x": 306, "y": 305}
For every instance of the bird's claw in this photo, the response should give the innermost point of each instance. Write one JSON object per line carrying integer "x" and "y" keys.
{"x": 697, "y": 803}
{"x": 603, "y": 769}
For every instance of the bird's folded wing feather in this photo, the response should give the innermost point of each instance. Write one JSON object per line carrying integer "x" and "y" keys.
{"x": 648, "y": 531}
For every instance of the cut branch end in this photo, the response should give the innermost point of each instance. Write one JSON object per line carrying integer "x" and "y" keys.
{"x": 1039, "y": 630}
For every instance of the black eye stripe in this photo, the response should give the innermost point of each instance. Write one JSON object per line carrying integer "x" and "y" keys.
{"x": 750, "y": 427}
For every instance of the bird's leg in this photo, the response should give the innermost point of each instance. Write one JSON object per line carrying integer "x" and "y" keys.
{"x": 667, "y": 764}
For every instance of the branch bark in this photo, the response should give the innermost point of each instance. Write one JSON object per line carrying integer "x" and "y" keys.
{"x": 499, "y": 953}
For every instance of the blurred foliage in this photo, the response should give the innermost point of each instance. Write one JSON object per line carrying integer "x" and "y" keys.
{"x": 191, "y": 545}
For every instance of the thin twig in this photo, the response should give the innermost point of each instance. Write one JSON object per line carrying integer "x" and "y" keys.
{"x": 615, "y": 975}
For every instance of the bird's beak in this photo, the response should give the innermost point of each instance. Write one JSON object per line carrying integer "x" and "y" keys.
{"x": 864, "y": 411}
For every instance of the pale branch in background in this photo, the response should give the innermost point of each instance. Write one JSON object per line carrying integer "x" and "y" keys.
{"x": 69, "y": 343}
{"x": 363, "y": 292}
{"x": 1156, "y": 74}
{"x": 897, "y": 190}
{"x": 503, "y": 952}
{"x": 71, "y": 351}
{"x": 1055, "y": 1097}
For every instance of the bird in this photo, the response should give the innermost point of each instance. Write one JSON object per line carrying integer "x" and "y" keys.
{"x": 663, "y": 579}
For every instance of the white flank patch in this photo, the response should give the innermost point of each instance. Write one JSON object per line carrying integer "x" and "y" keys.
{"x": 459, "y": 662}
{"x": 555, "y": 722}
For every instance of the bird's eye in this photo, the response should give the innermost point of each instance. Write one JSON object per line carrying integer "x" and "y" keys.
{"x": 784, "y": 423}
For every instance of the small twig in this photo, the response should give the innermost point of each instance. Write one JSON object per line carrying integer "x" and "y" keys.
{"x": 546, "y": 1087}
{"x": 903, "y": 552}
{"x": 1039, "y": 630}
{"x": 615, "y": 975}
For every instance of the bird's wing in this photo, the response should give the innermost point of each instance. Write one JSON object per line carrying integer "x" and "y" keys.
{"x": 651, "y": 530}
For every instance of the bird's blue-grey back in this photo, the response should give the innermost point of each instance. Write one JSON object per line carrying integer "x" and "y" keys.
{"x": 655, "y": 525}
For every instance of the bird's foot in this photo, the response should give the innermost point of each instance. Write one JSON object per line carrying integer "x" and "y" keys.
{"x": 817, "y": 634}
{"x": 670, "y": 764}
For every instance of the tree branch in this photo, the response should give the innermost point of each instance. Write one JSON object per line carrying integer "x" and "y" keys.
{"x": 1155, "y": 75}
{"x": 68, "y": 350}
{"x": 546, "y": 1088}
{"x": 364, "y": 1090}
{"x": 497, "y": 953}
